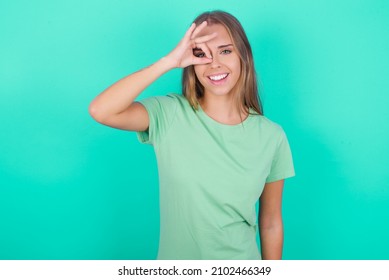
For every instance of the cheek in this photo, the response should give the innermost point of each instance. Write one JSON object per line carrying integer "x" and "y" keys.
{"x": 196, "y": 69}
{"x": 233, "y": 62}
{"x": 199, "y": 71}
{"x": 236, "y": 67}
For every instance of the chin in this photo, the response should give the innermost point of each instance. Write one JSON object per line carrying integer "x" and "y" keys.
{"x": 220, "y": 93}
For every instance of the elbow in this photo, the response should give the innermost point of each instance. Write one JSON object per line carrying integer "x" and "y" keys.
{"x": 273, "y": 222}
{"x": 95, "y": 112}
{"x": 273, "y": 226}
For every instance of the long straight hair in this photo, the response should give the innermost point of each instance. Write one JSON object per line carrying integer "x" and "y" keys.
{"x": 245, "y": 92}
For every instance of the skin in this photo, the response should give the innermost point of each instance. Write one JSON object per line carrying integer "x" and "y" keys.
{"x": 217, "y": 101}
{"x": 270, "y": 221}
{"x": 115, "y": 107}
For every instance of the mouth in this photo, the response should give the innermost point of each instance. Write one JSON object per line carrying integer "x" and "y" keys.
{"x": 218, "y": 79}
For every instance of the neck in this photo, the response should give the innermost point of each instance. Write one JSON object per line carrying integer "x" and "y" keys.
{"x": 222, "y": 109}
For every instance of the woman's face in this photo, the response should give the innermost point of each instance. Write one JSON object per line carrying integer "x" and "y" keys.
{"x": 221, "y": 75}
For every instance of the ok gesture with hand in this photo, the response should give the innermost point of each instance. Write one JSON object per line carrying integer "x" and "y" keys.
{"x": 182, "y": 55}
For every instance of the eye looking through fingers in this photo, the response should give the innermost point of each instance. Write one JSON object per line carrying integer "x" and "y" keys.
{"x": 200, "y": 49}
{"x": 198, "y": 52}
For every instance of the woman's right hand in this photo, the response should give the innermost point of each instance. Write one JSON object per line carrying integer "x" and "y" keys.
{"x": 182, "y": 55}
{"x": 115, "y": 106}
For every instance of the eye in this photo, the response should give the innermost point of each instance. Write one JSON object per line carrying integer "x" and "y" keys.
{"x": 198, "y": 53}
{"x": 226, "y": 52}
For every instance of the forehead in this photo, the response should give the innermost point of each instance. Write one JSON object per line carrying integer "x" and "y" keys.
{"x": 222, "y": 34}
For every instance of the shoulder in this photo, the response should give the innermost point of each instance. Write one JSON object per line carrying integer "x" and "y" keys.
{"x": 168, "y": 98}
{"x": 162, "y": 101}
{"x": 171, "y": 98}
{"x": 177, "y": 97}
{"x": 270, "y": 130}
{"x": 270, "y": 126}
{"x": 168, "y": 105}
{"x": 180, "y": 101}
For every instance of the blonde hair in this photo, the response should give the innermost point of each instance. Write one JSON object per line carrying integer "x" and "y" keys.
{"x": 246, "y": 90}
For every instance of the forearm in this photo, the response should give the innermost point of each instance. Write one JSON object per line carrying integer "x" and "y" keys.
{"x": 119, "y": 96}
{"x": 272, "y": 239}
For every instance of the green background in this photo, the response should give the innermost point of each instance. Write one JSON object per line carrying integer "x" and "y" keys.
{"x": 71, "y": 188}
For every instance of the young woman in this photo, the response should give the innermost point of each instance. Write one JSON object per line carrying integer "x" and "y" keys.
{"x": 216, "y": 152}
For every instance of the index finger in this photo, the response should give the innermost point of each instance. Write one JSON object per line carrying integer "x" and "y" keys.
{"x": 205, "y": 38}
{"x": 199, "y": 29}
{"x": 202, "y": 41}
{"x": 189, "y": 32}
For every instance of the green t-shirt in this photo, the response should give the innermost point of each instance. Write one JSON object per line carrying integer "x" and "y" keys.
{"x": 211, "y": 175}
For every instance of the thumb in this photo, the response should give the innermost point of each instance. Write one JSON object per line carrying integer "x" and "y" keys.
{"x": 201, "y": 60}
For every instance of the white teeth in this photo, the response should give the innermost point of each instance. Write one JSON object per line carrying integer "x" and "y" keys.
{"x": 218, "y": 77}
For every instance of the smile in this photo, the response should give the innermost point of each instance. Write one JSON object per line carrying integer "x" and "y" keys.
{"x": 218, "y": 77}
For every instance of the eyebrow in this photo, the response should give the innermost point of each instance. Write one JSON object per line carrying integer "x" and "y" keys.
{"x": 224, "y": 46}
{"x": 219, "y": 47}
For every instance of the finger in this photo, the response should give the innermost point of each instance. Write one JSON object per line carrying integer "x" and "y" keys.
{"x": 189, "y": 32}
{"x": 201, "y": 60}
{"x": 205, "y": 38}
{"x": 205, "y": 49}
{"x": 199, "y": 29}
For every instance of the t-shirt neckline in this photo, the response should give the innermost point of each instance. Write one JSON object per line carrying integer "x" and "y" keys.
{"x": 215, "y": 122}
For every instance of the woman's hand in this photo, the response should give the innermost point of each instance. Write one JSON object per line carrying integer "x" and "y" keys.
{"x": 115, "y": 106}
{"x": 183, "y": 56}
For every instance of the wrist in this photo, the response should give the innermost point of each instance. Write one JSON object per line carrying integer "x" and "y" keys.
{"x": 169, "y": 62}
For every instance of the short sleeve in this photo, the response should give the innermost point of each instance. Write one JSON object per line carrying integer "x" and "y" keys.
{"x": 282, "y": 164}
{"x": 161, "y": 111}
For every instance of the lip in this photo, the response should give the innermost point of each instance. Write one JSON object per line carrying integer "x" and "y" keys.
{"x": 218, "y": 82}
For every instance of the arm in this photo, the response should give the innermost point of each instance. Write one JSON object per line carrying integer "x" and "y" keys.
{"x": 115, "y": 106}
{"x": 270, "y": 221}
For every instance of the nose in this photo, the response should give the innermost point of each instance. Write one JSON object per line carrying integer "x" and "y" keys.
{"x": 215, "y": 62}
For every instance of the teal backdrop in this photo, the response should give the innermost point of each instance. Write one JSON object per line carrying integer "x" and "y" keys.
{"x": 71, "y": 188}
